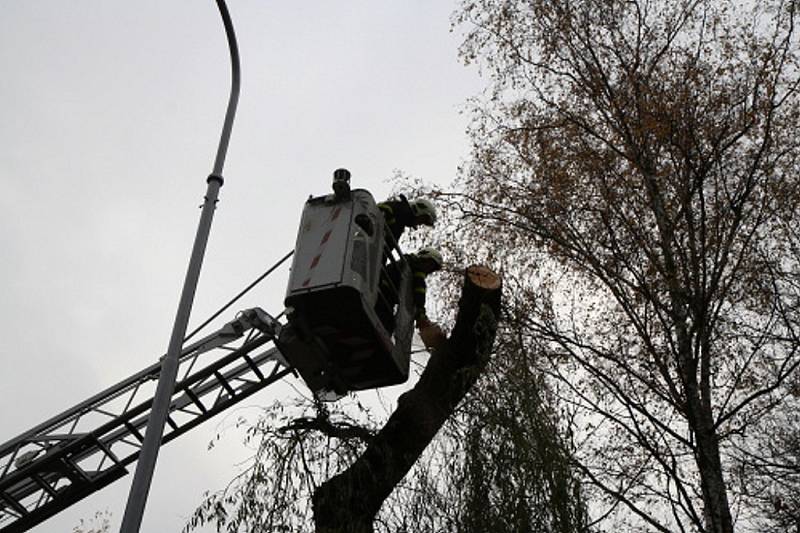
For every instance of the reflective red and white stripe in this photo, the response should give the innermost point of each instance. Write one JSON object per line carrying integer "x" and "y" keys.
{"x": 322, "y": 245}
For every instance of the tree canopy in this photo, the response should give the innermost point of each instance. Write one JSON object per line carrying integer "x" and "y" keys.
{"x": 635, "y": 172}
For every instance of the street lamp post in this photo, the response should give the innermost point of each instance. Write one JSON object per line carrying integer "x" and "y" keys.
{"x": 137, "y": 498}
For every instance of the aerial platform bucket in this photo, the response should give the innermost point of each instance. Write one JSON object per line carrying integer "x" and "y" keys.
{"x": 336, "y": 340}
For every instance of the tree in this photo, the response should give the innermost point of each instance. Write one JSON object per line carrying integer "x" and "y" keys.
{"x": 635, "y": 175}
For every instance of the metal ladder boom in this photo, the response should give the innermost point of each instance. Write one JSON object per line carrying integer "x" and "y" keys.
{"x": 80, "y": 451}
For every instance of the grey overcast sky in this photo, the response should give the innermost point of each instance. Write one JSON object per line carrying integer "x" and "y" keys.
{"x": 110, "y": 114}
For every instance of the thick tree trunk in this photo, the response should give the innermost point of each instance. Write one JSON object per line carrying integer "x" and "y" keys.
{"x": 716, "y": 506}
{"x": 349, "y": 502}
{"x": 715, "y": 495}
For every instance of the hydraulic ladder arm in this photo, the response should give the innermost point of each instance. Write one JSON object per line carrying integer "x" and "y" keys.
{"x": 80, "y": 451}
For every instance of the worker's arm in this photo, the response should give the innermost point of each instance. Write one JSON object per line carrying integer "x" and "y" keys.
{"x": 431, "y": 334}
{"x": 398, "y": 215}
{"x": 404, "y": 213}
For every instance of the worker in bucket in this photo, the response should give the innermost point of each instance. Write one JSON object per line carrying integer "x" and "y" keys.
{"x": 400, "y": 214}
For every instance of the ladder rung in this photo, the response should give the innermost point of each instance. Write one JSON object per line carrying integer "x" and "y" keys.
{"x": 253, "y": 367}
{"x": 192, "y": 396}
{"x": 224, "y": 383}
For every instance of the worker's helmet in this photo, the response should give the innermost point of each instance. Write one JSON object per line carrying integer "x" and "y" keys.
{"x": 431, "y": 254}
{"x": 424, "y": 211}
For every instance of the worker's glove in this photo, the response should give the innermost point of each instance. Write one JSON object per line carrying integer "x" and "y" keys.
{"x": 431, "y": 334}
